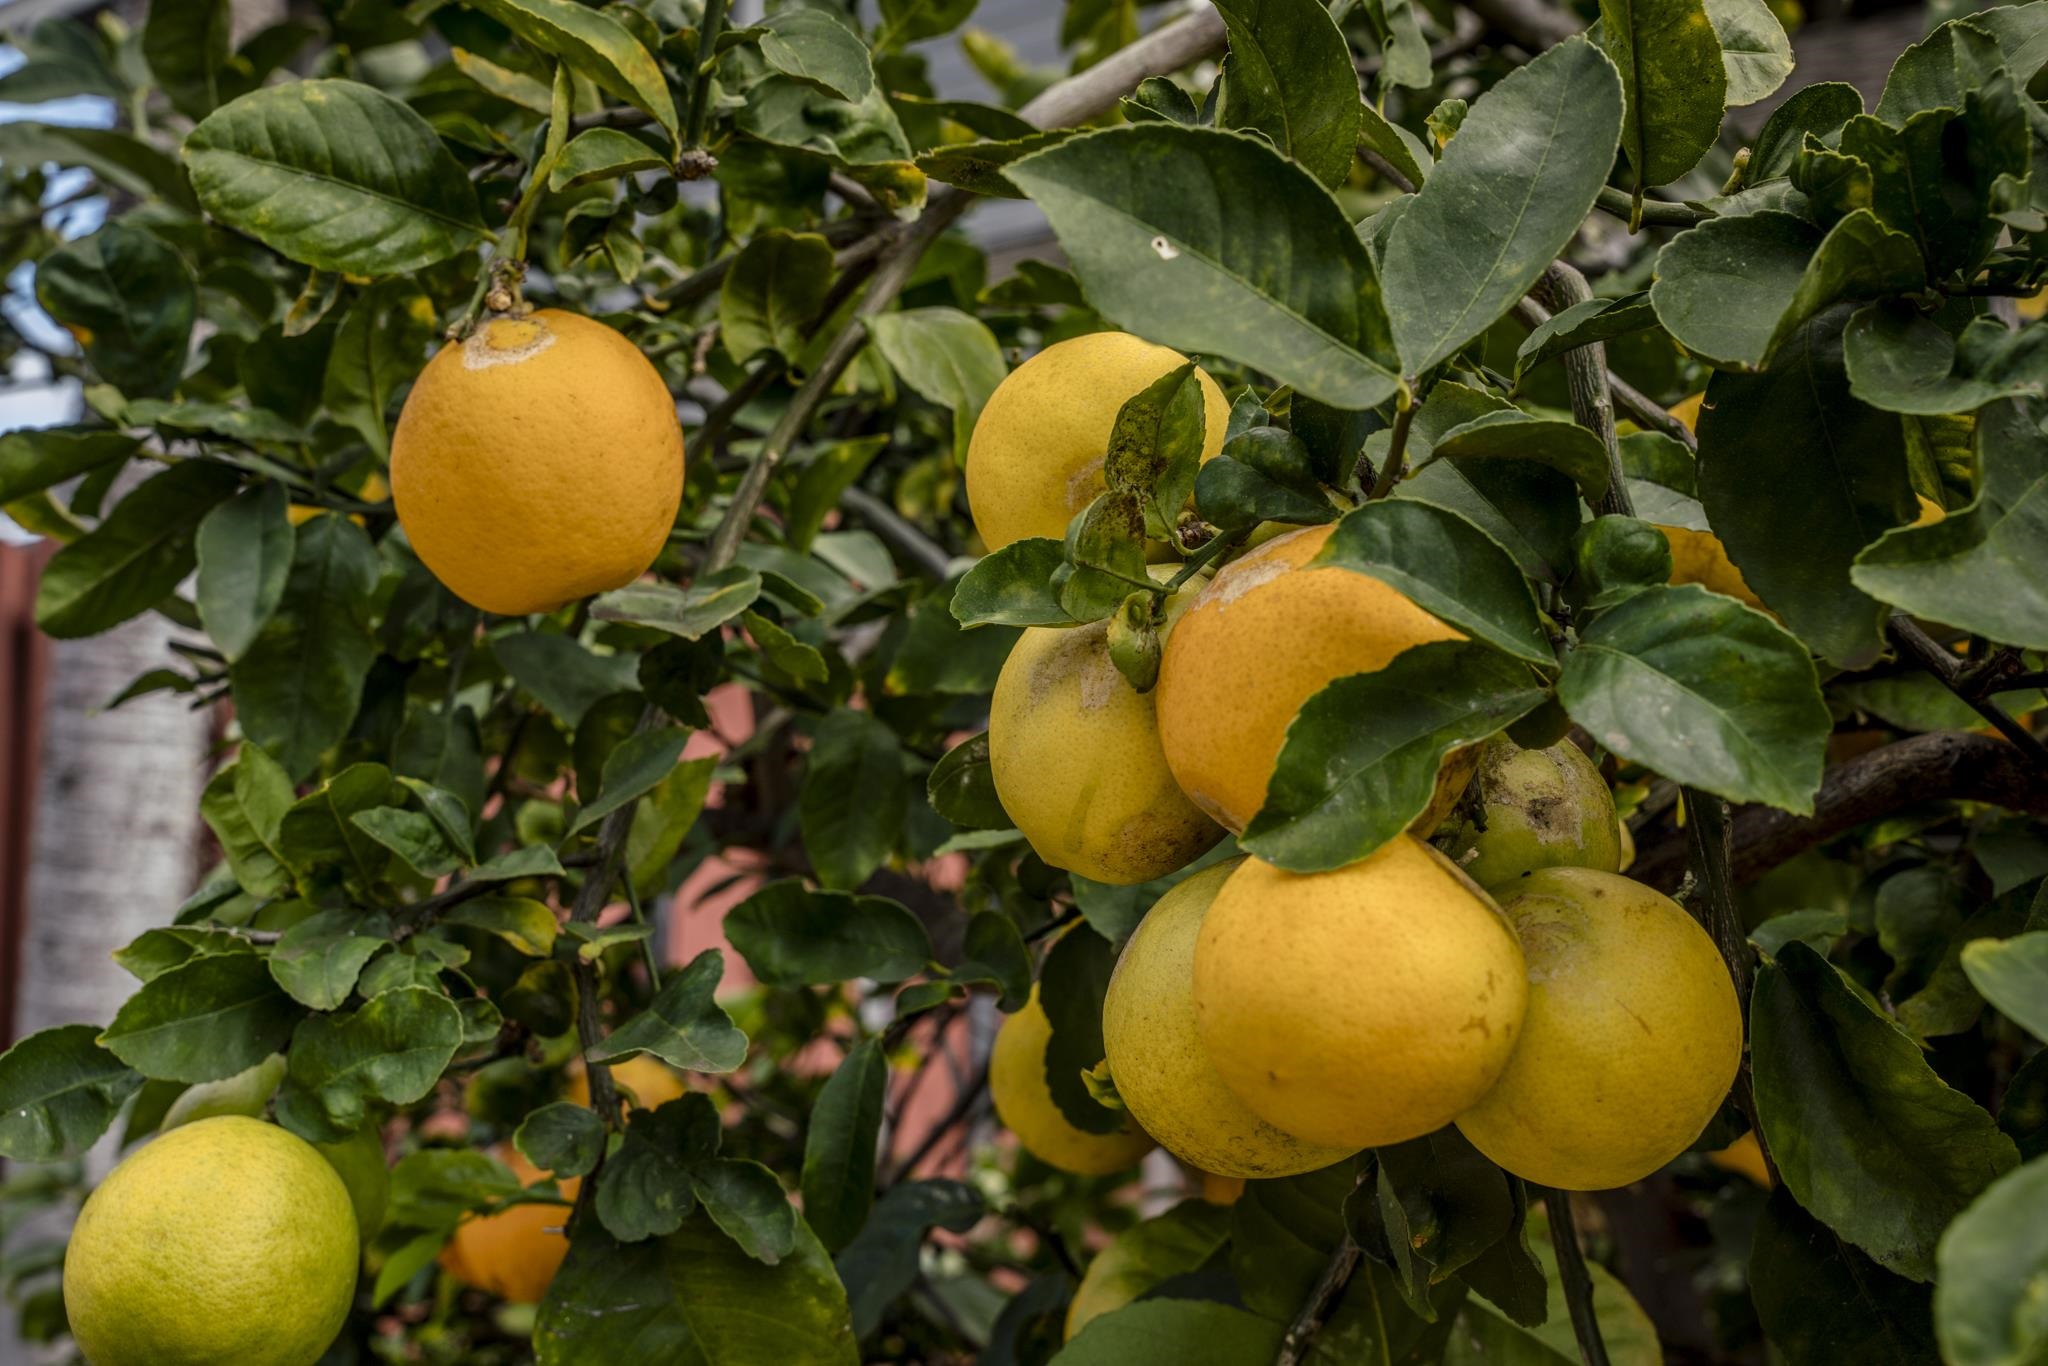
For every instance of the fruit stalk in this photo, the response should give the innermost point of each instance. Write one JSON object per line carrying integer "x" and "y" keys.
{"x": 1576, "y": 1280}
{"x": 1315, "y": 1311}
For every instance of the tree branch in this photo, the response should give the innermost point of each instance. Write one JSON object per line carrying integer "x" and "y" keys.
{"x": 1577, "y": 1281}
{"x": 1315, "y": 1311}
{"x": 1952, "y": 765}
{"x": 1924, "y": 650}
{"x": 1585, "y": 371}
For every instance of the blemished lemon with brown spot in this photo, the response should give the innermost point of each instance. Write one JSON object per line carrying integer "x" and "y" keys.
{"x": 1367, "y": 1005}
{"x": 1025, "y": 1105}
{"x": 224, "y": 1240}
{"x": 1631, "y": 1041}
{"x": 1266, "y": 635}
{"x": 1156, "y": 1055}
{"x": 537, "y": 461}
{"x": 1035, "y": 458}
{"x": 515, "y": 1253}
{"x": 1074, "y": 752}
{"x": 1532, "y": 808}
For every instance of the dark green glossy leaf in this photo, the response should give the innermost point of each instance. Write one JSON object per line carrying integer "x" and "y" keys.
{"x": 186, "y": 45}
{"x": 1289, "y": 76}
{"x": 1904, "y": 362}
{"x": 601, "y": 154}
{"x": 632, "y": 770}
{"x": 816, "y": 47}
{"x": 1341, "y": 789}
{"x": 792, "y": 936}
{"x": 980, "y": 167}
{"x": 962, "y": 788}
{"x": 297, "y": 687}
{"x": 709, "y": 602}
{"x": 1674, "y": 85}
{"x": 37, "y": 458}
{"x": 316, "y": 836}
{"x": 135, "y": 557}
{"x": 1992, "y": 1259}
{"x": 335, "y": 175}
{"x": 1822, "y": 1301}
{"x": 993, "y": 951}
{"x": 59, "y": 1090}
{"x": 776, "y": 286}
{"x": 245, "y": 804}
{"x": 120, "y": 160}
{"x": 882, "y": 1262}
{"x": 1512, "y": 189}
{"x": 597, "y": 46}
{"x": 1189, "y": 1332}
{"x": 244, "y": 552}
{"x": 129, "y": 300}
{"x": 1564, "y": 446}
{"x": 206, "y": 1019}
{"x": 562, "y": 1138}
{"x": 393, "y": 1048}
{"x": 646, "y": 1191}
{"x": 1072, "y": 983}
{"x": 1264, "y": 474}
{"x": 1975, "y": 569}
{"x": 1276, "y": 279}
{"x": 318, "y": 960}
{"x": 1595, "y": 320}
{"x": 1756, "y": 53}
{"x": 746, "y": 1201}
{"x": 1704, "y": 691}
{"x": 567, "y": 678}
{"x": 380, "y": 346}
{"x": 855, "y": 797}
{"x": 840, "y": 1142}
{"x": 1837, "y": 472}
{"x": 1865, "y": 1134}
{"x": 1820, "y": 109}
{"x": 1013, "y": 587}
{"x": 684, "y": 1025}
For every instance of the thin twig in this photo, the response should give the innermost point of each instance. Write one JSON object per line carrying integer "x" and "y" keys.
{"x": 1397, "y": 446}
{"x": 1577, "y": 1282}
{"x": 1656, "y": 213}
{"x": 906, "y": 538}
{"x": 965, "y": 1102}
{"x": 1316, "y": 1310}
{"x": 1585, "y": 370}
{"x": 1925, "y": 651}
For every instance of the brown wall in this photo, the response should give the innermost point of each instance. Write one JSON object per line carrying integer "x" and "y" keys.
{"x": 23, "y": 659}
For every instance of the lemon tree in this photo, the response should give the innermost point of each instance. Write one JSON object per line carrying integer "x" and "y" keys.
{"x": 1435, "y": 717}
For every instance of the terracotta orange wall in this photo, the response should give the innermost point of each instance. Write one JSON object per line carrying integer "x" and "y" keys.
{"x": 23, "y": 660}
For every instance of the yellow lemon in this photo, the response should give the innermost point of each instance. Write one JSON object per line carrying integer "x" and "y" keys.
{"x": 514, "y": 1253}
{"x": 1699, "y": 557}
{"x": 536, "y": 462}
{"x": 1024, "y": 1103}
{"x": 645, "y": 1081}
{"x": 1074, "y": 751}
{"x": 1363, "y": 1006}
{"x": 1927, "y": 511}
{"x": 1264, "y": 637}
{"x": 1529, "y": 809}
{"x": 1156, "y": 1056}
{"x": 1743, "y": 1157}
{"x": 1035, "y": 458}
{"x": 226, "y": 1239}
{"x": 1631, "y": 1042}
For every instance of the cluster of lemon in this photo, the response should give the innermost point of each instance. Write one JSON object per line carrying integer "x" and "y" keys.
{"x": 1489, "y": 968}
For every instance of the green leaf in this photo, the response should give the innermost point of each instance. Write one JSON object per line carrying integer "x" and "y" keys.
{"x": 1866, "y": 1135}
{"x": 153, "y": 953}
{"x": 856, "y": 134}
{"x": 122, "y": 161}
{"x": 567, "y": 678}
{"x": 186, "y": 45}
{"x": 962, "y": 787}
{"x": 1565, "y": 446}
{"x": 908, "y": 21}
{"x": 1756, "y": 54}
{"x": 1341, "y": 789}
{"x": 562, "y": 1138}
{"x": 840, "y": 1143}
{"x": 746, "y": 1201}
{"x": 601, "y": 154}
{"x": 527, "y": 925}
{"x": 855, "y": 797}
{"x": 1280, "y": 283}
{"x": 1596, "y": 320}
{"x": 1735, "y": 290}
{"x": 1674, "y": 85}
{"x": 1262, "y": 474}
{"x": 683, "y": 1025}
{"x": 448, "y": 811}
{"x": 832, "y": 470}
{"x": 245, "y": 803}
{"x": 1704, "y": 691}
{"x": 1512, "y": 189}
{"x": 206, "y": 1019}
{"x": 1187, "y": 1332}
{"x": 1072, "y": 984}
{"x": 379, "y": 347}
{"x": 1822, "y": 1301}
{"x": 1442, "y": 1205}
{"x": 1013, "y": 587}
{"x": 66, "y": 58}
{"x": 949, "y": 357}
{"x": 1903, "y": 362}
{"x": 595, "y": 45}
{"x": 316, "y": 834}
{"x": 1402, "y": 149}
{"x": 1483, "y": 1336}
{"x": 1149, "y": 1254}
{"x": 135, "y": 557}
{"x": 1289, "y": 76}
{"x": 414, "y": 837}
{"x": 882, "y": 1262}
{"x": 318, "y": 960}
{"x": 1939, "y": 71}
{"x": 660, "y": 826}
{"x": 59, "y": 1090}
{"x": 1404, "y": 52}
{"x": 2012, "y": 974}
{"x": 693, "y": 1296}
{"x": 38, "y": 458}
{"x": 1975, "y": 569}
{"x": 1819, "y": 109}
{"x": 646, "y": 1191}
{"x": 1993, "y": 1259}
{"x": 1837, "y": 472}
{"x": 393, "y": 1048}
{"x": 815, "y": 47}
{"x": 632, "y": 770}
{"x": 244, "y": 552}
{"x": 792, "y": 936}
{"x": 709, "y": 602}
{"x": 129, "y": 300}
{"x": 334, "y": 175}
{"x": 775, "y": 287}
{"x": 298, "y": 686}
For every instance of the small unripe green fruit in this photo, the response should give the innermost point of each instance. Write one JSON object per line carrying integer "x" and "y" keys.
{"x": 1530, "y": 809}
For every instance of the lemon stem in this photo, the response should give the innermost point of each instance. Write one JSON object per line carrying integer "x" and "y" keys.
{"x": 1577, "y": 1282}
